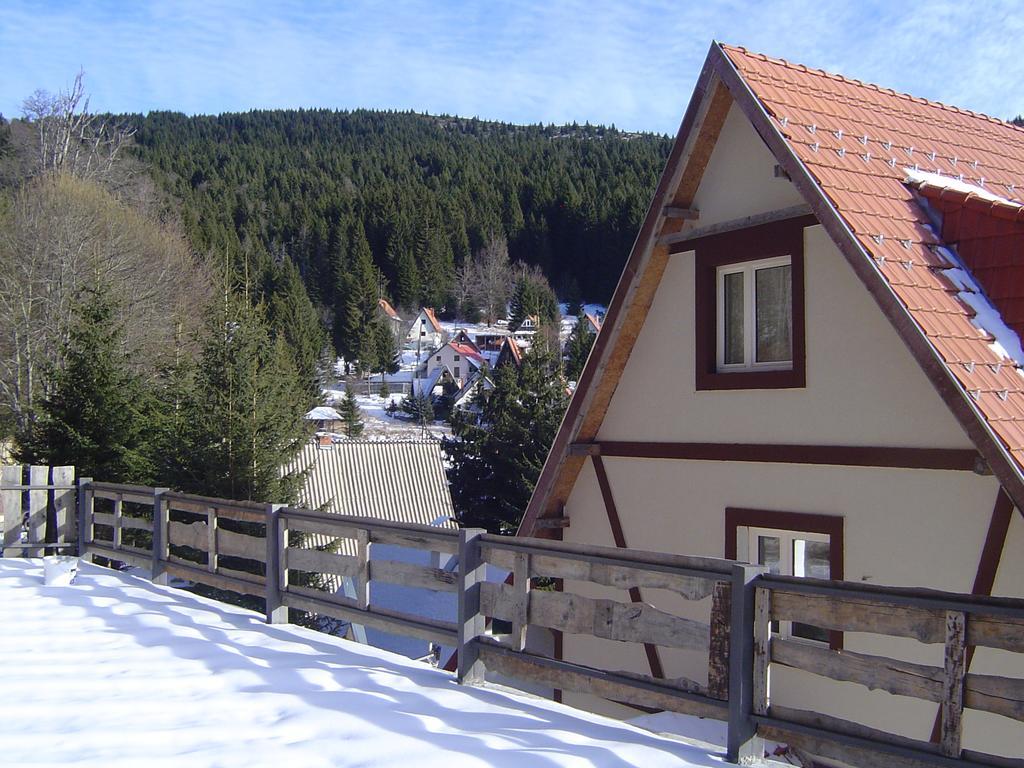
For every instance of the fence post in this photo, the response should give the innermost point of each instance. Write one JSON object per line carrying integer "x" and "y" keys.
{"x": 471, "y": 620}
{"x": 277, "y": 542}
{"x": 161, "y": 546}
{"x": 744, "y": 745}
{"x": 84, "y": 517}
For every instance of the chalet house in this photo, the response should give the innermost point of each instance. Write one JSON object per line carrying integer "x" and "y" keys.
{"x": 325, "y": 419}
{"x": 593, "y": 322}
{"x": 509, "y": 353}
{"x": 426, "y": 332}
{"x": 836, "y": 269}
{"x": 391, "y": 317}
{"x": 528, "y": 328}
{"x": 466, "y": 399}
{"x": 462, "y": 359}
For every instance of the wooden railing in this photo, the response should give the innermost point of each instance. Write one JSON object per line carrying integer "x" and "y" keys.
{"x": 264, "y": 550}
{"x": 521, "y": 605}
{"x": 37, "y": 509}
{"x": 958, "y": 622}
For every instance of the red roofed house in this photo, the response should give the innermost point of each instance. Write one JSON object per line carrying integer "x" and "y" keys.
{"x": 390, "y": 316}
{"x": 462, "y": 359}
{"x": 426, "y": 332}
{"x": 813, "y": 361}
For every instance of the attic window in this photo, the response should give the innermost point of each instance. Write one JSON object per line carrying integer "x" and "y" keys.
{"x": 749, "y": 307}
{"x": 755, "y": 315}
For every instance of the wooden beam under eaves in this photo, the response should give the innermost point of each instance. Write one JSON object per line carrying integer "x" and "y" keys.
{"x": 676, "y": 212}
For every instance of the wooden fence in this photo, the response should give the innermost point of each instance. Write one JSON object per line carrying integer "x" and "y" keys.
{"x": 263, "y": 550}
{"x": 37, "y": 508}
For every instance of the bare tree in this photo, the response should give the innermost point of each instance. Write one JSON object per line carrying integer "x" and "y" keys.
{"x": 70, "y": 139}
{"x": 491, "y": 279}
{"x": 60, "y": 234}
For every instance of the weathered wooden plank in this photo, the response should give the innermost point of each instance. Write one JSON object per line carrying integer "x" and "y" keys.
{"x": 621, "y": 577}
{"x": 10, "y": 507}
{"x": 187, "y": 534}
{"x": 255, "y": 578}
{"x": 145, "y": 499}
{"x": 859, "y": 745}
{"x": 334, "y": 598}
{"x": 762, "y": 649}
{"x": 64, "y": 504}
{"x": 701, "y": 567}
{"x": 411, "y": 575}
{"x": 325, "y": 527}
{"x": 118, "y": 514}
{"x": 236, "y": 544}
{"x": 953, "y": 683}
{"x": 137, "y": 523}
{"x": 718, "y": 641}
{"x": 211, "y": 539}
{"x": 996, "y": 632}
{"x": 386, "y": 621}
{"x": 855, "y": 614}
{"x": 136, "y": 559}
{"x": 245, "y": 584}
{"x": 362, "y": 584}
{"x": 37, "y": 502}
{"x": 417, "y": 540}
{"x": 521, "y": 600}
{"x": 608, "y": 619}
{"x": 316, "y": 561}
{"x": 638, "y": 691}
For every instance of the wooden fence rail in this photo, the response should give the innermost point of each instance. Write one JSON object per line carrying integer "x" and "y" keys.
{"x": 266, "y": 551}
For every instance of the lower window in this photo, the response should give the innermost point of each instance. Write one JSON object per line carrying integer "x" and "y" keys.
{"x": 789, "y": 544}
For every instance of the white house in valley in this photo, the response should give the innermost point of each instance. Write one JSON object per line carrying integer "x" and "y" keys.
{"x": 813, "y": 362}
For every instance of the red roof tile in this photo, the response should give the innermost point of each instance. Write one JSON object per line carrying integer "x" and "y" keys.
{"x": 857, "y": 140}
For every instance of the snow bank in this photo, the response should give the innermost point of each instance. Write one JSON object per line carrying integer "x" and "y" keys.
{"x": 116, "y": 671}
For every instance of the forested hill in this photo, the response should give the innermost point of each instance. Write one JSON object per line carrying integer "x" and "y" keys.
{"x": 426, "y": 191}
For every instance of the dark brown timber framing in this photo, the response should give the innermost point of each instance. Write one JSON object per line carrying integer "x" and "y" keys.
{"x": 963, "y": 459}
{"x": 653, "y": 658}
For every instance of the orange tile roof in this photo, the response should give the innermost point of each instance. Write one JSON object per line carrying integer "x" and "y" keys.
{"x": 388, "y": 309}
{"x": 429, "y": 312}
{"x": 857, "y": 140}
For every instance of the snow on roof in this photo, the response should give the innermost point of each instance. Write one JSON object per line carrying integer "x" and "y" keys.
{"x": 323, "y": 413}
{"x": 918, "y": 177}
{"x": 117, "y": 671}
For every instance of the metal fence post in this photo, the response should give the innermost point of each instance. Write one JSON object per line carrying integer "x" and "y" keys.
{"x": 161, "y": 546}
{"x": 84, "y": 516}
{"x": 276, "y": 542}
{"x": 471, "y": 621}
{"x": 744, "y": 745}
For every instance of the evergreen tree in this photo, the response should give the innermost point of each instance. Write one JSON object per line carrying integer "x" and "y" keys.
{"x": 245, "y": 410}
{"x": 94, "y": 416}
{"x": 351, "y": 415}
{"x": 387, "y": 355}
{"x": 494, "y": 464}
{"x": 293, "y": 316}
{"x": 577, "y": 348}
{"x": 418, "y": 407}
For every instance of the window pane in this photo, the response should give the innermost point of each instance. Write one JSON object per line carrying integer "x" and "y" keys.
{"x": 773, "y": 310}
{"x": 768, "y": 553}
{"x": 733, "y": 299}
{"x": 811, "y": 558}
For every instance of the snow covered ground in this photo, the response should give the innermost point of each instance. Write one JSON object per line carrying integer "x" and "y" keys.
{"x": 116, "y": 671}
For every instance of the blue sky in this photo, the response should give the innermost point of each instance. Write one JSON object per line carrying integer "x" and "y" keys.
{"x": 628, "y": 63}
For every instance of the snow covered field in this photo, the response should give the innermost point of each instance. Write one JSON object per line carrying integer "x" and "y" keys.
{"x": 115, "y": 671}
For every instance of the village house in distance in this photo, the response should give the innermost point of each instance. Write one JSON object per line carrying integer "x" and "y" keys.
{"x": 837, "y": 269}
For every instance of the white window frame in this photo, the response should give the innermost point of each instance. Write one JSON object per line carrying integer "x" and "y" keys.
{"x": 747, "y": 269}
{"x": 747, "y": 550}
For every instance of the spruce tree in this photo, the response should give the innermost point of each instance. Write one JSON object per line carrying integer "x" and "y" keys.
{"x": 494, "y": 464}
{"x": 94, "y": 415}
{"x": 351, "y": 415}
{"x": 577, "y": 348}
{"x": 293, "y": 316}
{"x": 418, "y": 407}
{"x": 246, "y": 409}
